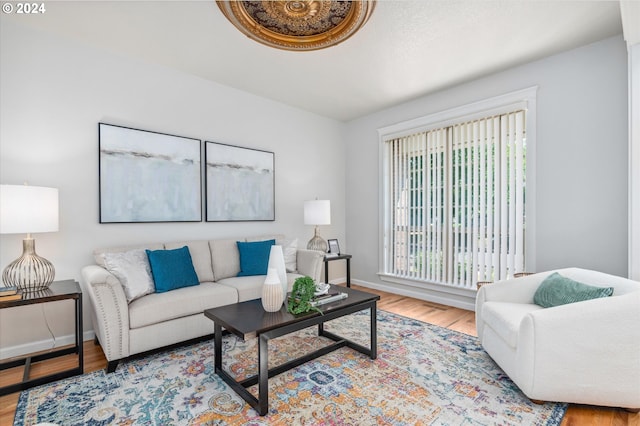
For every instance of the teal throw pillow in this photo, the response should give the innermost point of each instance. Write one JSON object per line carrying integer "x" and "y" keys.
{"x": 254, "y": 257}
{"x": 172, "y": 269}
{"x": 557, "y": 290}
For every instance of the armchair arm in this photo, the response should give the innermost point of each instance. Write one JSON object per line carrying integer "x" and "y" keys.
{"x": 110, "y": 311}
{"x": 310, "y": 263}
{"x": 598, "y": 339}
{"x": 515, "y": 290}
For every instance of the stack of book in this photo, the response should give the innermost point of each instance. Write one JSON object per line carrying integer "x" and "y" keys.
{"x": 328, "y": 298}
{"x": 9, "y": 293}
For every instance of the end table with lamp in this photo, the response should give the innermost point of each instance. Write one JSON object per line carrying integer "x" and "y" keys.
{"x": 25, "y": 210}
{"x": 330, "y": 257}
{"x": 59, "y": 290}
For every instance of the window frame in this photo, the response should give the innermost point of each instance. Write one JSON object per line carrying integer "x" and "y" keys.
{"x": 520, "y": 99}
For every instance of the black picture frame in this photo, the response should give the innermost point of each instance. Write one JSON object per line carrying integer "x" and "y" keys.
{"x": 334, "y": 247}
{"x": 240, "y": 183}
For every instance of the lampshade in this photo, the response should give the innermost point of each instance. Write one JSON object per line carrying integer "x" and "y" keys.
{"x": 28, "y": 209}
{"x": 317, "y": 212}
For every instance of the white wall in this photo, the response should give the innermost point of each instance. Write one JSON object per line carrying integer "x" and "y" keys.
{"x": 634, "y": 160}
{"x": 581, "y": 171}
{"x": 54, "y": 93}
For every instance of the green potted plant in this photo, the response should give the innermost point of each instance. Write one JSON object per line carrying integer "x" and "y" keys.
{"x": 301, "y": 296}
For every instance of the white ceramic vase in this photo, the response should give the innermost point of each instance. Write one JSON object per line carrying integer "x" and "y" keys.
{"x": 276, "y": 260}
{"x": 272, "y": 297}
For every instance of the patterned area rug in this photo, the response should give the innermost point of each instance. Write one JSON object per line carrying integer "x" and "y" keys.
{"x": 424, "y": 374}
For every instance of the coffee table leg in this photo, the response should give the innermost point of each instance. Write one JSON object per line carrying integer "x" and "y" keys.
{"x": 374, "y": 333}
{"x": 263, "y": 375}
{"x": 217, "y": 329}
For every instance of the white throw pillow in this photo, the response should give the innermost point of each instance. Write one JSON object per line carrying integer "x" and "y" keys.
{"x": 133, "y": 270}
{"x": 289, "y": 250}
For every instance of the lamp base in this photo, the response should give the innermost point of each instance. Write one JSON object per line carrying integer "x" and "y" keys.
{"x": 29, "y": 272}
{"x": 317, "y": 243}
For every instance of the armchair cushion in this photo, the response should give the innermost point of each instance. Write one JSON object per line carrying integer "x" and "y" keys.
{"x": 558, "y": 290}
{"x": 507, "y": 317}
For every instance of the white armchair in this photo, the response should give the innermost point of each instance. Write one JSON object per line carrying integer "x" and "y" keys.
{"x": 586, "y": 352}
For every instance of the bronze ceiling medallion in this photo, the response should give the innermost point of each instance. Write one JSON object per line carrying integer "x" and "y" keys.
{"x": 298, "y": 25}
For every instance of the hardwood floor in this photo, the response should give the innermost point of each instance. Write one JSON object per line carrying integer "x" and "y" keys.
{"x": 444, "y": 316}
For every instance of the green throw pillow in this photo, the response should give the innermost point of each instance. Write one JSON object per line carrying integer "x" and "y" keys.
{"x": 557, "y": 290}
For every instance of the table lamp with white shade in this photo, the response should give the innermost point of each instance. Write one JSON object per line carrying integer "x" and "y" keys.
{"x": 25, "y": 210}
{"x": 317, "y": 212}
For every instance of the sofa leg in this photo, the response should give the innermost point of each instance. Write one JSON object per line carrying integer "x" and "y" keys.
{"x": 633, "y": 410}
{"x": 537, "y": 401}
{"x": 111, "y": 366}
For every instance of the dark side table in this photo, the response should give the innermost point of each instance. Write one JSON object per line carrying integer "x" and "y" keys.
{"x": 59, "y": 290}
{"x": 328, "y": 259}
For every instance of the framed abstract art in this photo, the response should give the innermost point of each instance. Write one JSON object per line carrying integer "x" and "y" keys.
{"x": 239, "y": 183}
{"x": 148, "y": 176}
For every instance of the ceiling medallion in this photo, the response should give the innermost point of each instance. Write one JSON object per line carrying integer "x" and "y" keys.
{"x": 298, "y": 25}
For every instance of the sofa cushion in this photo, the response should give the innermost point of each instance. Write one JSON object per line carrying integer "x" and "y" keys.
{"x": 98, "y": 254}
{"x": 289, "y": 249}
{"x": 505, "y": 318}
{"x": 200, "y": 256}
{"x": 254, "y": 257}
{"x": 247, "y": 288}
{"x": 250, "y": 287}
{"x": 159, "y": 307}
{"x": 558, "y": 290}
{"x": 290, "y": 252}
{"x": 132, "y": 270}
{"x": 225, "y": 258}
{"x": 172, "y": 269}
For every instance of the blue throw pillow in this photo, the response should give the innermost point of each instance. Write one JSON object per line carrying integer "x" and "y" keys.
{"x": 172, "y": 269}
{"x": 254, "y": 257}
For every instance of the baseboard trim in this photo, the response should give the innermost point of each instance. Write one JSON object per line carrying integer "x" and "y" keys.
{"x": 457, "y": 301}
{"x": 42, "y": 345}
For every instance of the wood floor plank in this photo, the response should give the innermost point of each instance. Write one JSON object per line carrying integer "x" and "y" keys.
{"x": 444, "y": 316}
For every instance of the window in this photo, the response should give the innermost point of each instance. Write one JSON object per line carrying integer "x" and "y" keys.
{"x": 454, "y": 195}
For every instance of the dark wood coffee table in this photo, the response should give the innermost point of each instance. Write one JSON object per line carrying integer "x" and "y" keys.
{"x": 249, "y": 319}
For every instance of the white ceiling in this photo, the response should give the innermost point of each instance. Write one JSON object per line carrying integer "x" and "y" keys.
{"x": 406, "y": 50}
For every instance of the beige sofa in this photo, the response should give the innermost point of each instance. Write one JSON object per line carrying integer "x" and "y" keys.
{"x": 586, "y": 352}
{"x": 160, "y": 319}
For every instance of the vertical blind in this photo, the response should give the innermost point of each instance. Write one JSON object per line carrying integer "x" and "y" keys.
{"x": 455, "y": 201}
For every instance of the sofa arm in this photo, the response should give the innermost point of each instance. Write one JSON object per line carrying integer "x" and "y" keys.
{"x": 110, "y": 311}
{"x": 598, "y": 339}
{"x": 310, "y": 263}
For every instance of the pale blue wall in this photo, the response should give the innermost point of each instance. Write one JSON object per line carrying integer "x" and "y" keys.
{"x": 581, "y": 172}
